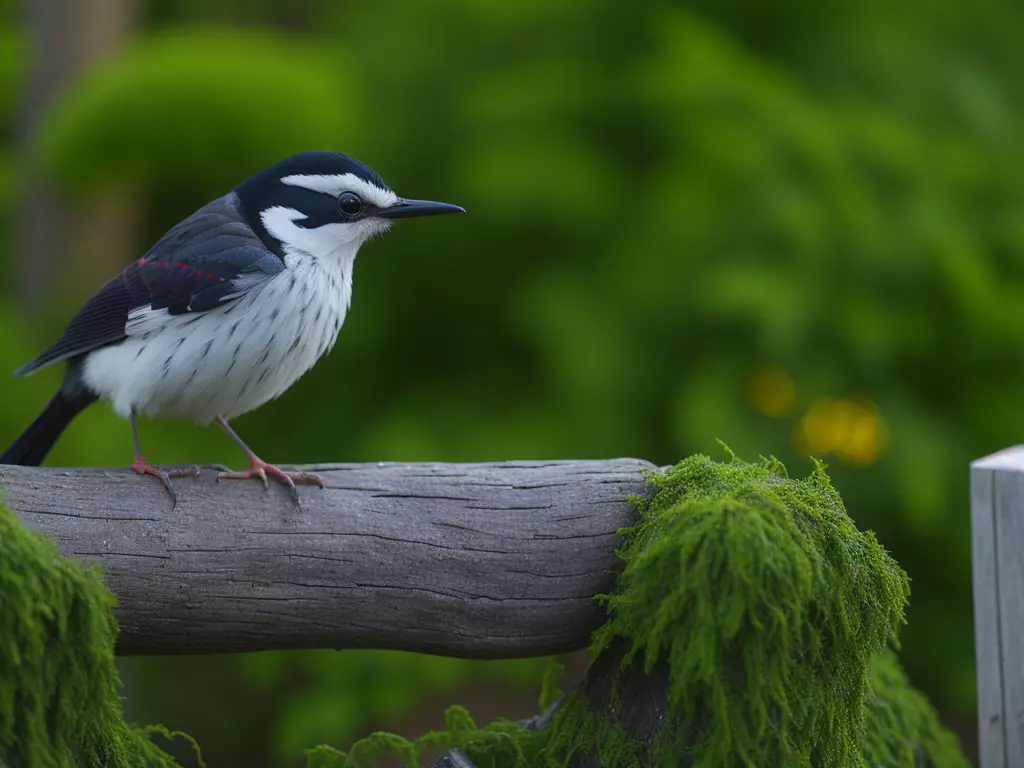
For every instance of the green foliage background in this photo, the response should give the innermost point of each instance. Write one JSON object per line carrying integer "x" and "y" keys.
{"x": 666, "y": 200}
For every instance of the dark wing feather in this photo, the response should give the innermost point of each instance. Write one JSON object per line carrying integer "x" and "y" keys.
{"x": 211, "y": 257}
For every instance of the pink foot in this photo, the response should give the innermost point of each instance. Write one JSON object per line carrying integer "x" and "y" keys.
{"x": 259, "y": 468}
{"x": 143, "y": 467}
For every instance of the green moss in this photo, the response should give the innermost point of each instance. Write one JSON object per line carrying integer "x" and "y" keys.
{"x": 901, "y": 731}
{"x": 59, "y": 703}
{"x": 752, "y": 609}
{"x": 502, "y": 744}
{"x": 901, "y": 722}
{"x": 766, "y": 603}
{"x": 749, "y": 627}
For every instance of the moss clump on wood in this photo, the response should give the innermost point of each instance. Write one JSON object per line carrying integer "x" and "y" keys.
{"x": 750, "y": 627}
{"x": 766, "y": 603}
{"x": 59, "y": 704}
{"x": 764, "y": 608}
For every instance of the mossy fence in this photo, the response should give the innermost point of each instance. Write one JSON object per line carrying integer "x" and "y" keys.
{"x": 736, "y": 616}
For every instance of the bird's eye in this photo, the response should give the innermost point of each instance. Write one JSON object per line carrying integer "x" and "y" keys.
{"x": 349, "y": 204}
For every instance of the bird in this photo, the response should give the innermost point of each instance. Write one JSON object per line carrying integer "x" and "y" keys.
{"x": 226, "y": 311}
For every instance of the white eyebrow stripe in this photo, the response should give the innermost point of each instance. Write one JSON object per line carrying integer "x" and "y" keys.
{"x": 335, "y": 184}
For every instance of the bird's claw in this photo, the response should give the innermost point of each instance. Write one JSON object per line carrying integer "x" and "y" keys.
{"x": 143, "y": 467}
{"x": 259, "y": 468}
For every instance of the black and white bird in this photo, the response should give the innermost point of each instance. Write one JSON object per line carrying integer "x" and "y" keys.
{"x": 227, "y": 310}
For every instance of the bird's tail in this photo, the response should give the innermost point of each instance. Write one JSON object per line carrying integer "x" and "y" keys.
{"x": 31, "y": 447}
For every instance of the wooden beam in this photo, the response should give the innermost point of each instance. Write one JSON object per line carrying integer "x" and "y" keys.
{"x": 997, "y": 531}
{"x": 471, "y": 560}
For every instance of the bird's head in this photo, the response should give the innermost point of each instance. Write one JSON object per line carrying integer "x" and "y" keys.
{"x": 324, "y": 204}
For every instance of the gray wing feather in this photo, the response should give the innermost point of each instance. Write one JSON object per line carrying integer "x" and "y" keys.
{"x": 209, "y": 258}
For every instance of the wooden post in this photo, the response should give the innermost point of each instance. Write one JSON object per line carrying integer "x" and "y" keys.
{"x": 477, "y": 560}
{"x": 997, "y": 531}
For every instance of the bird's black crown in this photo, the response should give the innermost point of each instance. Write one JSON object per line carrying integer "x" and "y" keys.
{"x": 264, "y": 190}
{"x": 312, "y": 163}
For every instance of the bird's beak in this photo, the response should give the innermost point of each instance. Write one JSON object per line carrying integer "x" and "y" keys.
{"x": 405, "y": 209}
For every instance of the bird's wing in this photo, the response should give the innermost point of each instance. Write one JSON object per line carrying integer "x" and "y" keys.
{"x": 209, "y": 258}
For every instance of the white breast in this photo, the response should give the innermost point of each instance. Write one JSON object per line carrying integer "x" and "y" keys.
{"x": 232, "y": 359}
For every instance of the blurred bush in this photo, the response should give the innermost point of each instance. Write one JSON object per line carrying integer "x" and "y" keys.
{"x": 795, "y": 230}
{"x": 181, "y": 111}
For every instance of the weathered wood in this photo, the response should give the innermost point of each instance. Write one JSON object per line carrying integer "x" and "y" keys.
{"x": 997, "y": 530}
{"x": 472, "y": 560}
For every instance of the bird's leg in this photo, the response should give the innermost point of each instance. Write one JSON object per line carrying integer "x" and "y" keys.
{"x": 143, "y": 467}
{"x": 259, "y": 468}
